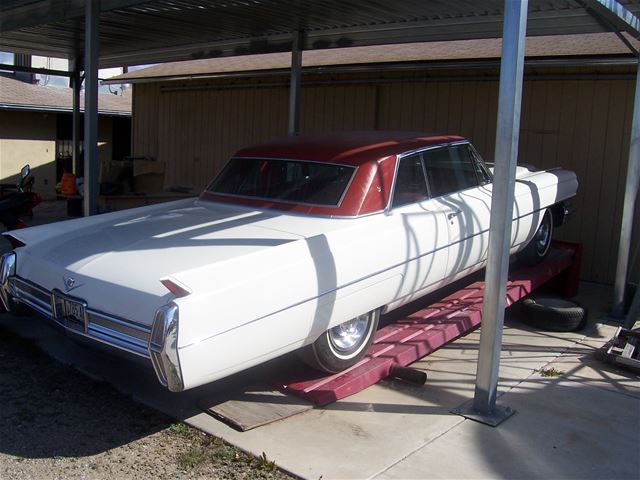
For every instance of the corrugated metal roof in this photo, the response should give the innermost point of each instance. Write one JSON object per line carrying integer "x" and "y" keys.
{"x": 548, "y": 46}
{"x": 136, "y": 32}
{"x": 18, "y": 95}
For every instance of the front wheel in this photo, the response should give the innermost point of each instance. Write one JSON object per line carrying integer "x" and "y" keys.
{"x": 342, "y": 346}
{"x": 538, "y": 248}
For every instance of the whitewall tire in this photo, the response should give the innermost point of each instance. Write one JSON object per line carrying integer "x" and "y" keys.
{"x": 342, "y": 346}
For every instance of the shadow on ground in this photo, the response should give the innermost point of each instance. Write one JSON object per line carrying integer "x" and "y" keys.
{"x": 51, "y": 410}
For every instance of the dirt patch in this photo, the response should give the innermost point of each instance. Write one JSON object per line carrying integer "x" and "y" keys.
{"x": 57, "y": 423}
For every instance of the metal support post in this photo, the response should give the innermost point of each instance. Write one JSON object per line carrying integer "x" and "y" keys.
{"x": 634, "y": 311}
{"x": 628, "y": 210}
{"x": 294, "y": 88}
{"x": 483, "y": 407}
{"x": 91, "y": 49}
{"x": 76, "y": 83}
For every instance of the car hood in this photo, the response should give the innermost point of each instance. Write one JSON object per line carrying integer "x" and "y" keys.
{"x": 123, "y": 255}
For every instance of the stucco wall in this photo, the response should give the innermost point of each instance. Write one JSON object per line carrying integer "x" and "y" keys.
{"x": 28, "y": 137}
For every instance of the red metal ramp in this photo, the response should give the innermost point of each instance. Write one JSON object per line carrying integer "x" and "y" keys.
{"x": 418, "y": 334}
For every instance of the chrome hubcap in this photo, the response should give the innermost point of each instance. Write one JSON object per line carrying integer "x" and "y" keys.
{"x": 349, "y": 334}
{"x": 542, "y": 236}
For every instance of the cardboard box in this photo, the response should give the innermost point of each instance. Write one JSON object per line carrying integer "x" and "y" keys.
{"x": 148, "y": 176}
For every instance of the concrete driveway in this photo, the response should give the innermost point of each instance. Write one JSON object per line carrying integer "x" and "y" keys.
{"x": 581, "y": 422}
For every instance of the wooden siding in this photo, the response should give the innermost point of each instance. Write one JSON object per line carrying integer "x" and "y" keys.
{"x": 581, "y": 124}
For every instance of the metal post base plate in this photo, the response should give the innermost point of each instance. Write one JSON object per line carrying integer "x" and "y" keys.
{"x": 500, "y": 413}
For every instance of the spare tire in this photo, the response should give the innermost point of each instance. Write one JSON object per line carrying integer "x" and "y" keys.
{"x": 554, "y": 314}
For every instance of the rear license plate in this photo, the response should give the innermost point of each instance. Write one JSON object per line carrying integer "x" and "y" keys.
{"x": 69, "y": 311}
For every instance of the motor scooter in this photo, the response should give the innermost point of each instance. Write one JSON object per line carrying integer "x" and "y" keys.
{"x": 20, "y": 203}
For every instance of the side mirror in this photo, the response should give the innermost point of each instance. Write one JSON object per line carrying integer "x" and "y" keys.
{"x": 24, "y": 173}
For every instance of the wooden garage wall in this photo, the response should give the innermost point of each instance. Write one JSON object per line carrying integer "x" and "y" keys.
{"x": 580, "y": 124}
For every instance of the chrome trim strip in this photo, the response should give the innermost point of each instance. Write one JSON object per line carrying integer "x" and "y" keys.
{"x": 433, "y": 147}
{"x": 140, "y": 331}
{"x": 116, "y": 332}
{"x": 31, "y": 299}
{"x": 123, "y": 342}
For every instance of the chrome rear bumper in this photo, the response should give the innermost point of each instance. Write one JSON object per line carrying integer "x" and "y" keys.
{"x": 116, "y": 332}
{"x": 157, "y": 343}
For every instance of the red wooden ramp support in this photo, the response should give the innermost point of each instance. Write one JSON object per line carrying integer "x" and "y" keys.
{"x": 426, "y": 330}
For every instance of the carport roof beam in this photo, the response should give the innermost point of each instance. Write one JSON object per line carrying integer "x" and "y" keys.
{"x": 617, "y": 15}
{"x": 43, "y": 71}
{"x": 17, "y": 14}
{"x": 135, "y": 30}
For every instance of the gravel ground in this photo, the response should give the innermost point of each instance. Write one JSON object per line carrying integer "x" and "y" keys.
{"x": 59, "y": 424}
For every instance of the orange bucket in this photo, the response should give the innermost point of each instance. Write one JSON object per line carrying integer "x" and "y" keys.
{"x": 68, "y": 184}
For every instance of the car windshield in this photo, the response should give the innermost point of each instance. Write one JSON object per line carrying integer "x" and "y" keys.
{"x": 293, "y": 181}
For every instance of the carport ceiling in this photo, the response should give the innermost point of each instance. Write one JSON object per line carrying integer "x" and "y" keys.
{"x": 134, "y": 31}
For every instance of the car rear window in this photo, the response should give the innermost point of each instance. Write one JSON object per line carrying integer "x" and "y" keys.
{"x": 294, "y": 181}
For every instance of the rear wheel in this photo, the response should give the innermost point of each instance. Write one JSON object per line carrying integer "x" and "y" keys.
{"x": 538, "y": 248}
{"x": 342, "y": 346}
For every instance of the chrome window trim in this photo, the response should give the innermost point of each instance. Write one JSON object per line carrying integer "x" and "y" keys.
{"x": 288, "y": 202}
{"x": 424, "y": 174}
{"x": 483, "y": 166}
{"x": 420, "y": 150}
{"x": 96, "y": 330}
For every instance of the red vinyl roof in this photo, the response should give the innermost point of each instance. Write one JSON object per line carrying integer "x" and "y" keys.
{"x": 373, "y": 152}
{"x": 348, "y": 148}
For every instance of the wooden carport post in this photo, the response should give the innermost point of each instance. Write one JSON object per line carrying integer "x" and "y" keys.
{"x": 483, "y": 407}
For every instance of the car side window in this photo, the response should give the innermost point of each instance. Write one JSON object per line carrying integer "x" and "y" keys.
{"x": 411, "y": 185}
{"x": 450, "y": 169}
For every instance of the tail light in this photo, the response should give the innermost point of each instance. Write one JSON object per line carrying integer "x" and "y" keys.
{"x": 15, "y": 243}
{"x": 178, "y": 290}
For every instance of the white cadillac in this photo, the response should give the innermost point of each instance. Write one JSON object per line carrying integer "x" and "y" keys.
{"x": 297, "y": 244}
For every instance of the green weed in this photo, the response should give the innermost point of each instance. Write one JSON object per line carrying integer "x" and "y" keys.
{"x": 192, "y": 458}
{"x": 266, "y": 465}
{"x": 550, "y": 372}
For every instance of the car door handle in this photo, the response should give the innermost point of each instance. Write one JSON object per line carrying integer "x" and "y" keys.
{"x": 454, "y": 214}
